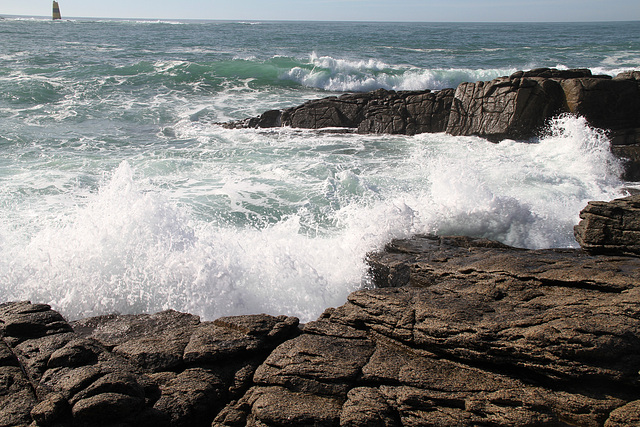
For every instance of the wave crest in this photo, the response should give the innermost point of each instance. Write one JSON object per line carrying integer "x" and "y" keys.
{"x": 343, "y": 75}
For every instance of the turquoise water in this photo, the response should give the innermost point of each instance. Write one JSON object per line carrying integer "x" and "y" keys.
{"x": 120, "y": 193}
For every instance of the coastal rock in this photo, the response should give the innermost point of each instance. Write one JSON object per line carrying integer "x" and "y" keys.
{"x": 518, "y": 106}
{"x": 380, "y": 111}
{"x": 612, "y": 104}
{"x": 480, "y": 333}
{"x": 458, "y": 331}
{"x": 610, "y": 227}
{"x": 145, "y": 370}
{"x": 508, "y": 107}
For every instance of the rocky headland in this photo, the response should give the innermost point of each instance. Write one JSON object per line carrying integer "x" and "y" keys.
{"x": 459, "y": 331}
{"x": 518, "y": 107}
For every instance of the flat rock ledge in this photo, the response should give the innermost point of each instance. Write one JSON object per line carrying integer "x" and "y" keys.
{"x": 518, "y": 106}
{"x": 459, "y": 331}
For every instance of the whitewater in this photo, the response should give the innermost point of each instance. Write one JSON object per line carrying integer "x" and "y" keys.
{"x": 121, "y": 193}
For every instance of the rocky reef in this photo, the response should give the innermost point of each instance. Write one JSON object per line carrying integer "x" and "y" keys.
{"x": 516, "y": 107}
{"x": 459, "y": 331}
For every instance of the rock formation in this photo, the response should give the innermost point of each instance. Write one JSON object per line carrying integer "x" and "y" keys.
{"x": 380, "y": 111}
{"x": 516, "y": 107}
{"x": 459, "y": 331}
{"x": 610, "y": 227}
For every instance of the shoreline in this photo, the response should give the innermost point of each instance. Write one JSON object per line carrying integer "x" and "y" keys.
{"x": 459, "y": 331}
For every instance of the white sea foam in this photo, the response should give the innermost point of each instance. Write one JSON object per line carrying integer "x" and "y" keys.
{"x": 307, "y": 209}
{"x": 118, "y": 192}
{"x": 342, "y": 75}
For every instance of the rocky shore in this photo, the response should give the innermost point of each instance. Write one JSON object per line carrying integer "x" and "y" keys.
{"x": 459, "y": 331}
{"x": 516, "y": 107}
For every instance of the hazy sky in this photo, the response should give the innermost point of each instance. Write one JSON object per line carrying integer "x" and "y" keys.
{"x": 343, "y": 10}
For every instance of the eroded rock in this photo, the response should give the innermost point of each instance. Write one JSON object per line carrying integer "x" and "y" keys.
{"x": 610, "y": 227}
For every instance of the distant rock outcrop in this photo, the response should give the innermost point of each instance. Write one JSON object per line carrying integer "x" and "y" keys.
{"x": 380, "y": 111}
{"x": 516, "y": 107}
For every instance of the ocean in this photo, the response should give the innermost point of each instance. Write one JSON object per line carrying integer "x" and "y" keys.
{"x": 121, "y": 193}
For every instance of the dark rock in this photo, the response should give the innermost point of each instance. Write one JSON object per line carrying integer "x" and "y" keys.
{"x": 318, "y": 364}
{"x": 230, "y": 337}
{"x": 50, "y": 410}
{"x": 552, "y": 73}
{"x": 612, "y": 104}
{"x": 629, "y": 154}
{"x": 77, "y": 352}
{"x": 460, "y": 331}
{"x": 16, "y": 397}
{"x": 154, "y": 342}
{"x": 192, "y": 397}
{"x": 487, "y": 335}
{"x": 380, "y": 111}
{"x": 627, "y": 415}
{"x": 104, "y": 409}
{"x": 518, "y": 107}
{"x": 505, "y": 108}
{"x": 610, "y": 227}
{"x": 25, "y": 320}
{"x": 515, "y": 107}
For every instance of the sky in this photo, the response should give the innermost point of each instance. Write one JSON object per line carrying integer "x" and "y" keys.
{"x": 339, "y": 10}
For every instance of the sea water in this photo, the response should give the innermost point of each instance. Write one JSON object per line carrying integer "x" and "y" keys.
{"x": 119, "y": 191}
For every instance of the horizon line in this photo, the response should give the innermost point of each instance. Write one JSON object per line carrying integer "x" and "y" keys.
{"x": 46, "y": 17}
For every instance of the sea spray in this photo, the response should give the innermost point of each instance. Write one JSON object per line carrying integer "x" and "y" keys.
{"x": 293, "y": 214}
{"x": 120, "y": 193}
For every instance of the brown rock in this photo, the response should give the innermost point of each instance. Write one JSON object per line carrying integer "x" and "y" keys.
{"x": 192, "y": 397}
{"x": 104, "y": 408}
{"x": 16, "y": 397}
{"x": 50, "y": 410}
{"x": 610, "y": 227}
{"x": 627, "y": 415}
{"x": 606, "y": 103}
{"x": 24, "y": 320}
{"x": 505, "y": 108}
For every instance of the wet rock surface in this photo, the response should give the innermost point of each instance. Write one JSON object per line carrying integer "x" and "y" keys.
{"x": 518, "y": 106}
{"x": 459, "y": 331}
{"x": 610, "y": 227}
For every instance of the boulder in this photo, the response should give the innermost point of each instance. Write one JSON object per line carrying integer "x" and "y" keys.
{"x": 612, "y": 104}
{"x": 507, "y": 107}
{"x": 380, "y": 111}
{"x": 610, "y": 227}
